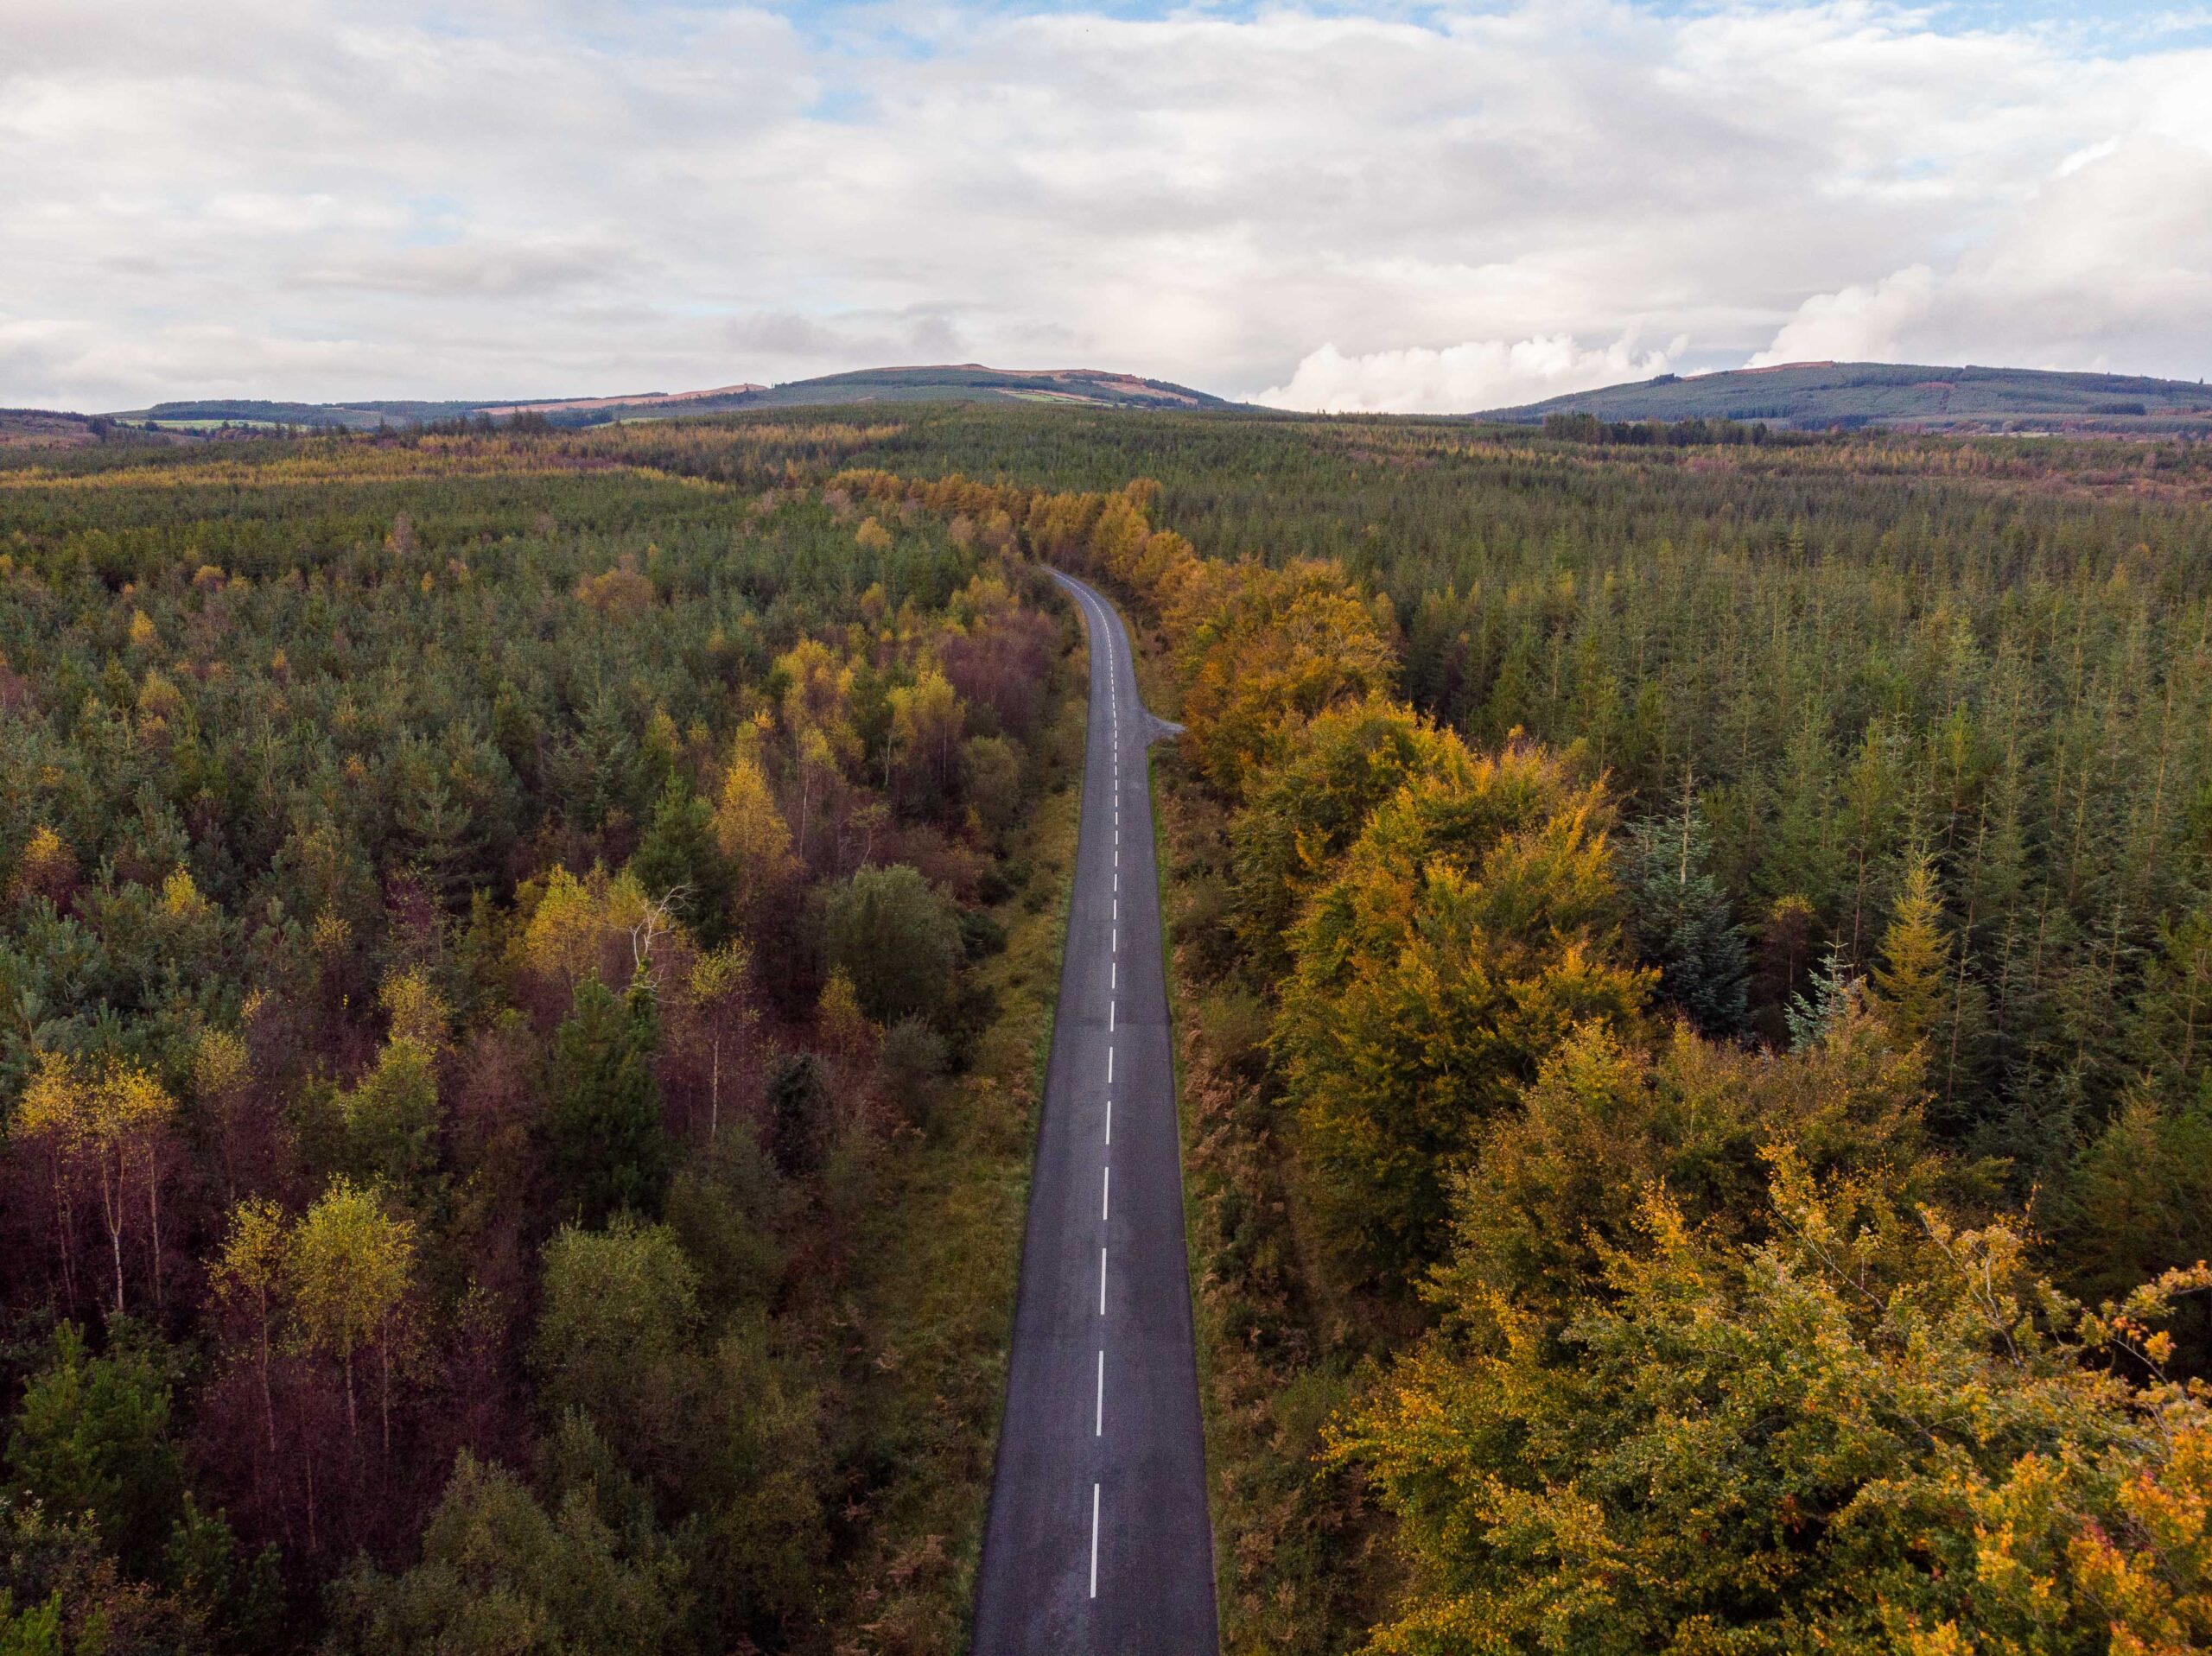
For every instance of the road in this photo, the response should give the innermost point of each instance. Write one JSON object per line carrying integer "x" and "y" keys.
{"x": 1098, "y": 1543}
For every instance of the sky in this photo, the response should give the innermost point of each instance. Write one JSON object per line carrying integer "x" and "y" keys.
{"x": 1360, "y": 205}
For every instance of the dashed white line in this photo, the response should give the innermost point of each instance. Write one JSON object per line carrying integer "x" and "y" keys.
{"x": 1105, "y": 1194}
{"x": 1109, "y": 1124}
{"x": 1094, "y": 1540}
{"x": 1102, "y": 1282}
{"x": 1099, "y": 1429}
{"x": 1109, "y": 1018}
{"x": 1110, "y": 1066}
{"x": 1113, "y": 974}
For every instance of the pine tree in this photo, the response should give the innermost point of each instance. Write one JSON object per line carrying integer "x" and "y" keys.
{"x": 609, "y": 1149}
{"x": 1679, "y": 917}
{"x": 681, "y": 861}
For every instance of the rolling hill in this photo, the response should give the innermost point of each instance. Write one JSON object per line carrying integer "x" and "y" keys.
{"x": 1816, "y": 395}
{"x": 965, "y": 382}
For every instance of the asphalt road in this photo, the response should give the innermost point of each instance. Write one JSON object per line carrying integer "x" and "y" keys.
{"x": 1098, "y": 1543}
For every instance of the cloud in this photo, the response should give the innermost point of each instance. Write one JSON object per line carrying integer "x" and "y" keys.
{"x": 1856, "y": 324}
{"x": 348, "y": 197}
{"x": 1468, "y": 378}
{"x": 2114, "y": 249}
{"x": 494, "y": 271}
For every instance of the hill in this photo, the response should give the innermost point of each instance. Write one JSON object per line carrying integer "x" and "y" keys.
{"x": 963, "y": 382}
{"x": 1821, "y": 394}
{"x": 973, "y": 383}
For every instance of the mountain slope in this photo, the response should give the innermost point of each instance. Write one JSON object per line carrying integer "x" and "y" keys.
{"x": 1816, "y": 395}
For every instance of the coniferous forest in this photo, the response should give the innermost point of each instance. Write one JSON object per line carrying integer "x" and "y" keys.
{"x": 527, "y": 957}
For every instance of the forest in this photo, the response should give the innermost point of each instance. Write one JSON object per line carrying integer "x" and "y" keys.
{"x": 525, "y": 951}
{"x": 525, "y": 973}
{"x": 1691, "y": 974}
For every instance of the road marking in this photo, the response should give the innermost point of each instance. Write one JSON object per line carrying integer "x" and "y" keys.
{"x": 1105, "y": 1193}
{"x": 1110, "y": 1123}
{"x": 1110, "y": 1066}
{"x": 1109, "y": 1018}
{"x": 1113, "y": 974}
{"x": 1118, "y": 909}
{"x": 1102, "y": 1282}
{"x": 1099, "y": 1429}
{"x": 1094, "y": 1540}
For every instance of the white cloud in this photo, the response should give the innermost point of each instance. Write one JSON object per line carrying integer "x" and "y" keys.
{"x": 2114, "y": 250}
{"x": 1856, "y": 324}
{"x": 333, "y": 198}
{"x": 1462, "y": 378}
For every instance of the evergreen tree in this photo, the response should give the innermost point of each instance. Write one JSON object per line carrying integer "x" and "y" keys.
{"x": 1911, "y": 984}
{"x": 608, "y": 1149}
{"x": 798, "y": 1113}
{"x": 680, "y": 859}
{"x": 1678, "y": 915}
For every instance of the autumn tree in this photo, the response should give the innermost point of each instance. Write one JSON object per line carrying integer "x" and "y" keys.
{"x": 1263, "y": 651}
{"x": 102, "y": 1123}
{"x": 1874, "y": 1429}
{"x": 352, "y": 1268}
{"x": 1910, "y": 980}
{"x": 252, "y": 1274}
{"x": 1471, "y": 926}
{"x": 1302, "y": 813}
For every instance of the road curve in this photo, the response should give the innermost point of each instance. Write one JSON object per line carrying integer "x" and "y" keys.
{"x": 1098, "y": 1543}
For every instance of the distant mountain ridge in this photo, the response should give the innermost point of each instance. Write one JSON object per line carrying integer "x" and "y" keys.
{"x": 962, "y": 382}
{"x": 1819, "y": 396}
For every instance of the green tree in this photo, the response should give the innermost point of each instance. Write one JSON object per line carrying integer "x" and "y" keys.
{"x": 391, "y": 1119}
{"x": 500, "y": 1576}
{"x": 898, "y": 941}
{"x": 616, "y": 1342}
{"x": 798, "y": 1113}
{"x": 680, "y": 861}
{"x": 608, "y": 1146}
{"x": 92, "y": 1441}
{"x": 1679, "y": 917}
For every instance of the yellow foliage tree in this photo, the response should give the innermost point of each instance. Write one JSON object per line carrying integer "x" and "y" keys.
{"x": 749, "y": 826}
{"x": 1263, "y": 650}
{"x": 47, "y": 868}
{"x": 839, "y": 1017}
{"x": 350, "y": 1266}
{"x": 102, "y": 1122}
{"x": 1915, "y": 955}
{"x": 418, "y": 1012}
{"x": 249, "y": 1273}
{"x": 1472, "y": 925}
{"x": 718, "y": 982}
{"x": 576, "y": 921}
